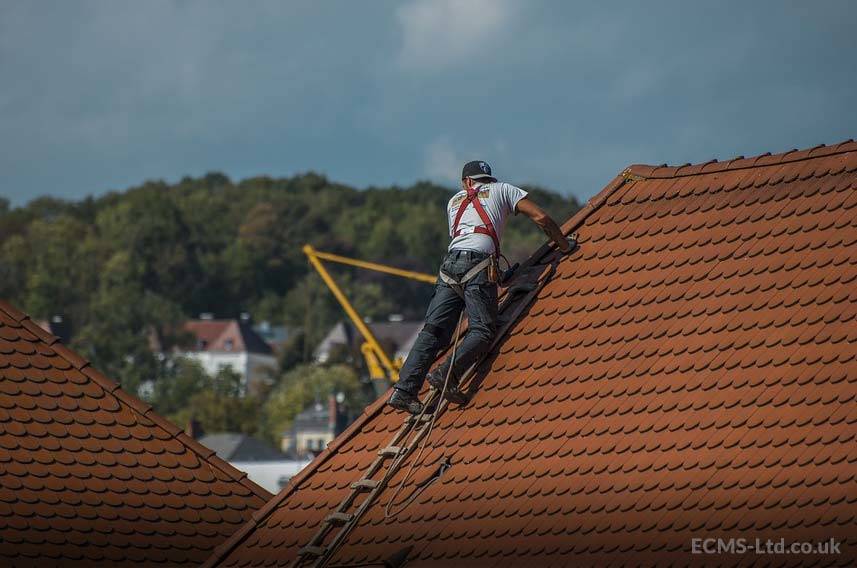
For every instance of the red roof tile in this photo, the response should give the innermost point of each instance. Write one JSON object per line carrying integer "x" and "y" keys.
{"x": 690, "y": 371}
{"x": 91, "y": 475}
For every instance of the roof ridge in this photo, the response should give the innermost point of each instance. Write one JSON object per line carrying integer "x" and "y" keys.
{"x": 740, "y": 162}
{"x": 258, "y": 535}
{"x": 135, "y": 404}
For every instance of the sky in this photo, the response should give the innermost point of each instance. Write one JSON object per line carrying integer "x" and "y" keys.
{"x": 102, "y": 95}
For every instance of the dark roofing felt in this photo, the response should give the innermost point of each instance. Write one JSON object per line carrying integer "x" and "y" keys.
{"x": 690, "y": 371}
{"x": 90, "y": 475}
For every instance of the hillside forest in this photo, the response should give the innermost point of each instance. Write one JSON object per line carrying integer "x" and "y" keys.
{"x": 124, "y": 270}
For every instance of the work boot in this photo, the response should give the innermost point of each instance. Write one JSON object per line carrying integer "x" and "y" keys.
{"x": 401, "y": 400}
{"x": 436, "y": 378}
{"x": 452, "y": 393}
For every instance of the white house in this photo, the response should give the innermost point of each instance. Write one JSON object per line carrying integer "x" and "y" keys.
{"x": 231, "y": 343}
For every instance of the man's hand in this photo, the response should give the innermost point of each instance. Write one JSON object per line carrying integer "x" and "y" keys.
{"x": 543, "y": 220}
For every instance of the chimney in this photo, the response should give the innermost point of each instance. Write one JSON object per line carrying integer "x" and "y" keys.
{"x": 331, "y": 413}
{"x": 194, "y": 429}
{"x": 340, "y": 420}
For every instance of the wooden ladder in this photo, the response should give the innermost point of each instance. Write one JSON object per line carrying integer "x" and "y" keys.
{"x": 317, "y": 553}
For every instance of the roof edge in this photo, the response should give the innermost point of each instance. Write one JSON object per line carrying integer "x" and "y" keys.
{"x": 664, "y": 171}
{"x": 577, "y": 220}
{"x": 220, "y": 552}
{"x": 132, "y": 402}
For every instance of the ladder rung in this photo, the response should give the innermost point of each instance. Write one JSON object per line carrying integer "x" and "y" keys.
{"x": 338, "y": 518}
{"x": 390, "y": 451}
{"x": 423, "y": 418}
{"x": 365, "y": 484}
{"x": 311, "y": 551}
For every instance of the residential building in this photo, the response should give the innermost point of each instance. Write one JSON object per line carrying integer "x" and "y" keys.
{"x": 396, "y": 336}
{"x": 688, "y": 373}
{"x": 231, "y": 343}
{"x": 234, "y": 446}
{"x": 92, "y": 476}
{"x": 315, "y": 427}
{"x": 263, "y": 464}
{"x": 277, "y": 336}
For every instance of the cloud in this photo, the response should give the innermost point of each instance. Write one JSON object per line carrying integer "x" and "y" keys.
{"x": 441, "y": 161}
{"x": 441, "y": 33}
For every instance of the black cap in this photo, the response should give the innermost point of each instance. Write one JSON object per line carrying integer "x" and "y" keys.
{"x": 476, "y": 169}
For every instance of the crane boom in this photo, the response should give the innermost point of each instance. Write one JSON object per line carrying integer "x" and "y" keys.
{"x": 420, "y": 276}
{"x": 371, "y": 347}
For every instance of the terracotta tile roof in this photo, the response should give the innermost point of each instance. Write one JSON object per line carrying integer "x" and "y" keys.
{"x": 91, "y": 475}
{"x": 690, "y": 371}
{"x": 226, "y": 336}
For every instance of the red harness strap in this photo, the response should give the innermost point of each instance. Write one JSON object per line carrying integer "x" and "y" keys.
{"x": 486, "y": 229}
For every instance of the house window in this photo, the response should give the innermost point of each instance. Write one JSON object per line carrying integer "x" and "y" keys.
{"x": 201, "y": 344}
{"x": 228, "y": 344}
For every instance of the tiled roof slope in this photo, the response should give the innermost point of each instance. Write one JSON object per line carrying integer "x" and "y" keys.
{"x": 689, "y": 372}
{"x": 90, "y": 475}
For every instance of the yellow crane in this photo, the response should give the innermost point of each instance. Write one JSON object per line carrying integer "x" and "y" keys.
{"x": 380, "y": 365}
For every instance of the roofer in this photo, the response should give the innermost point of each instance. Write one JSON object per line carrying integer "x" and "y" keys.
{"x": 468, "y": 280}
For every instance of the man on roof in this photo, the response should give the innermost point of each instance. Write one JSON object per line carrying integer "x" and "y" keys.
{"x": 467, "y": 281}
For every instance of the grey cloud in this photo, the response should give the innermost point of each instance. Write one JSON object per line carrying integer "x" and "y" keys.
{"x": 101, "y": 95}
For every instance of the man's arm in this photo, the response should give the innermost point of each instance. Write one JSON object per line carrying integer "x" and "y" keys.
{"x": 543, "y": 220}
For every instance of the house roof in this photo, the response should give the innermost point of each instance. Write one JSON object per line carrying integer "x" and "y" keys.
{"x": 690, "y": 371}
{"x": 226, "y": 336}
{"x": 235, "y": 447}
{"x": 314, "y": 417}
{"x": 395, "y": 334}
{"x": 89, "y": 474}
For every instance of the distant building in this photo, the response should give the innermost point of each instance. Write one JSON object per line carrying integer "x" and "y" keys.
{"x": 277, "y": 336}
{"x": 263, "y": 463}
{"x": 234, "y": 446}
{"x": 395, "y": 335}
{"x": 316, "y": 427}
{"x": 231, "y": 343}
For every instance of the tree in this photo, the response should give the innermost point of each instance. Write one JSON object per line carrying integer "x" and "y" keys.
{"x": 173, "y": 392}
{"x": 127, "y": 268}
{"x": 304, "y": 385}
{"x": 220, "y": 407}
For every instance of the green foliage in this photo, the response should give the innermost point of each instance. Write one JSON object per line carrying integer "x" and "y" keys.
{"x": 304, "y": 385}
{"x": 125, "y": 269}
{"x": 185, "y": 379}
{"x": 216, "y": 402}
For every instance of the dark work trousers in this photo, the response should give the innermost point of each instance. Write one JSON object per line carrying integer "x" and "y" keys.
{"x": 480, "y": 304}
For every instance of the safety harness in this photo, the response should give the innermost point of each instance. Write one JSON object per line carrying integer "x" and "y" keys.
{"x": 487, "y": 228}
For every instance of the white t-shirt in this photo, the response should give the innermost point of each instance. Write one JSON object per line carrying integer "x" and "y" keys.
{"x": 498, "y": 199}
